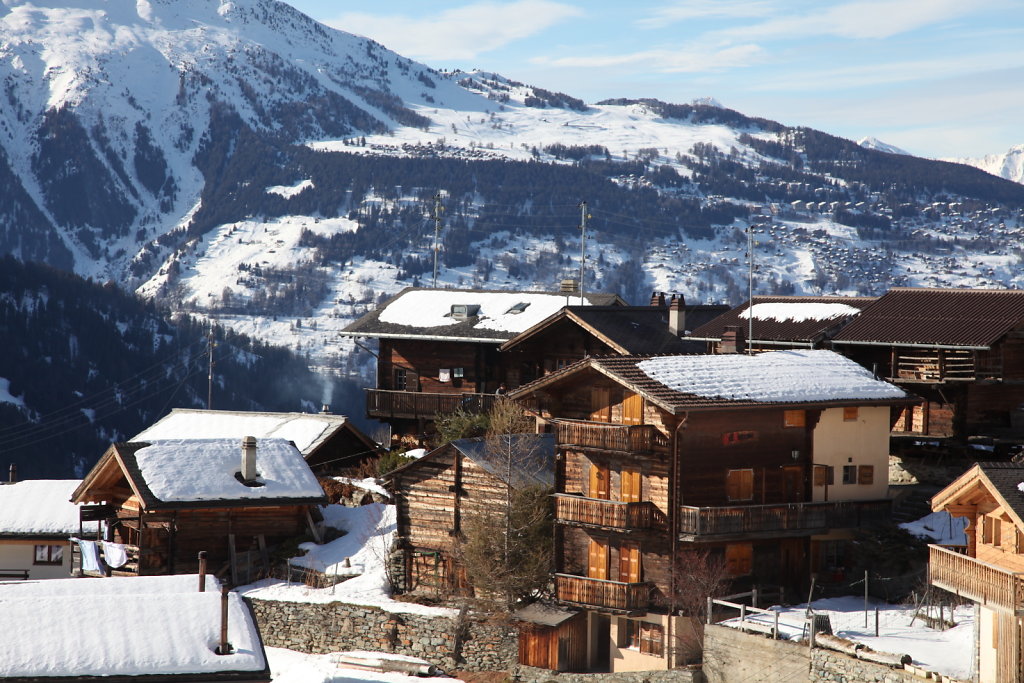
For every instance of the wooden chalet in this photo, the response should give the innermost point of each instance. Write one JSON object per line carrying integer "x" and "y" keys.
{"x": 434, "y": 492}
{"x": 438, "y": 349}
{"x": 156, "y": 629}
{"x": 760, "y": 460}
{"x": 990, "y": 570}
{"x": 960, "y": 349}
{"x": 779, "y": 322}
{"x": 167, "y": 500}
{"x": 576, "y": 332}
{"x": 331, "y": 444}
{"x": 36, "y": 521}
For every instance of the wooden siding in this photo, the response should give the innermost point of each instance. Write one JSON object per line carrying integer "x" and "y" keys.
{"x": 558, "y": 648}
{"x": 424, "y": 359}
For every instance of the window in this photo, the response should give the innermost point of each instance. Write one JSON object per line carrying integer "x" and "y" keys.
{"x": 850, "y": 414}
{"x": 49, "y": 554}
{"x": 639, "y": 635}
{"x": 739, "y": 558}
{"x": 849, "y": 474}
{"x": 458, "y": 373}
{"x": 400, "y": 379}
{"x": 866, "y": 475}
{"x": 739, "y": 484}
{"x": 824, "y": 475}
{"x": 794, "y": 418}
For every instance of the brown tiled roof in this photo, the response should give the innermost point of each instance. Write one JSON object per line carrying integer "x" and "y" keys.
{"x": 1005, "y": 476}
{"x": 633, "y": 329}
{"x": 805, "y": 331}
{"x": 946, "y": 317}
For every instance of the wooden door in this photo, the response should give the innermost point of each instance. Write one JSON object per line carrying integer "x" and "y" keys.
{"x": 629, "y": 563}
{"x": 633, "y": 409}
{"x": 629, "y": 485}
{"x": 599, "y": 478}
{"x": 597, "y": 560}
{"x": 600, "y": 404}
{"x": 793, "y": 483}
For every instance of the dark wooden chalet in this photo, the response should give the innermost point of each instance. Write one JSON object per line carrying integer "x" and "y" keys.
{"x": 331, "y": 444}
{"x": 779, "y": 322}
{"x": 576, "y": 332}
{"x": 167, "y": 500}
{"x": 960, "y": 349}
{"x": 726, "y": 453}
{"x": 461, "y": 477}
{"x": 438, "y": 349}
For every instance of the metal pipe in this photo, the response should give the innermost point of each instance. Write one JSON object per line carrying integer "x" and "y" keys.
{"x": 225, "y": 647}
{"x": 202, "y": 571}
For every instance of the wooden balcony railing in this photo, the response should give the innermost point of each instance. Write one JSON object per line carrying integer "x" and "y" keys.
{"x": 789, "y": 519}
{"x": 938, "y": 365}
{"x": 609, "y": 437}
{"x": 614, "y": 514}
{"x": 979, "y": 581}
{"x": 580, "y": 590}
{"x": 383, "y": 403}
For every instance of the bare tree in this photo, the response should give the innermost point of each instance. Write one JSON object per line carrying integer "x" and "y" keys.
{"x": 699, "y": 574}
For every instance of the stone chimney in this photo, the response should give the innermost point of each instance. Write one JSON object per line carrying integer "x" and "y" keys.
{"x": 657, "y": 298}
{"x": 249, "y": 458}
{"x": 677, "y": 316}
{"x": 733, "y": 340}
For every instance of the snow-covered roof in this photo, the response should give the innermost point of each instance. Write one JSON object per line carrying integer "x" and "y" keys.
{"x": 306, "y": 430}
{"x": 774, "y": 377}
{"x": 131, "y": 626}
{"x": 798, "y": 311}
{"x": 188, "y": 470}
{"x": 489, "y": 316}
{"x": 39, "y": 507}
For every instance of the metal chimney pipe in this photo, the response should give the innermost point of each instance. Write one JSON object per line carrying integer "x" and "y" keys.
{"x": 249, "y": 458}
{"x": 225, "y": 647}
{"x": 202, "y": 571}
{"x": 12, "y": 473}
{"x": 326, "y": 409}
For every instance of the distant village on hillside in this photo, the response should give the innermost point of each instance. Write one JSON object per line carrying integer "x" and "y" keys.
{"x": 797, "y": 488}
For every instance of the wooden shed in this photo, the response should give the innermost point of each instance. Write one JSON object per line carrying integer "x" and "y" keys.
{"x": 435, "y": 492}
{"x": 171, "y": 499}
{"x": 552, "y": 637}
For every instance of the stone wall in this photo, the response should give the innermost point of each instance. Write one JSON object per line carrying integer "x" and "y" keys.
{"x": 836, "y": 667}
{"x": 528, "y": 674}
{"x": 731, "y": 655}
{"x": 454, "y": 642}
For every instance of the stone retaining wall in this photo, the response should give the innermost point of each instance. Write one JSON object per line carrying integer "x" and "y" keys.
{"x": 528, "y": 674}
{"x": 463, "y": 643}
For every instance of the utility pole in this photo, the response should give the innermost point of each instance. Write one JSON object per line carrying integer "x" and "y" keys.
{"x": 750, "y": 289}
{"x": 437, "y": 230}
{"x": 583, "y": 245}
{"x": 211, "y": 345}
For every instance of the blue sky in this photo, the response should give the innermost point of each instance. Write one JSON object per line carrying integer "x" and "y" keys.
{"x": 939, "y": 78}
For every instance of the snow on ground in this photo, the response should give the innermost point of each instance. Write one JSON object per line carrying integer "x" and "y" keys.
{"x": 949, "y": 652}
{"x": 775, "y": 376}
{"x": 367, "y": 484}
{"x": 288, "y": 666}
{"x": 6, "y": 396}
{"x": 289, "y": 191}
{"x": 939, "y": 527}
{"x": 370, "y": 533}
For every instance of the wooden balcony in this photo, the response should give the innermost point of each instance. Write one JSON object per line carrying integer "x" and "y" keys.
{"x": 976, "y": 580}
{"x": 613, "y": 514}
{"x": 603, "y": 436}
{"x": 612, "y": 595}
{"x": 412, "y": 405}
{"x": 935, "y": 366}
{"x": 772, "y": 521}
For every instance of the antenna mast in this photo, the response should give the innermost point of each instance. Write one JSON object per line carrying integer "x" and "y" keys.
{"x": 583, "y": 245}
{"x": 211, "y": 345}
{"x": 437, "y": 230}
{"x": 750, "y": 289}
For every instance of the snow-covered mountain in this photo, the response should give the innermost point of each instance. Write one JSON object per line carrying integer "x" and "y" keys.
{"x": 874, "y": 143}
{"x": 240, "y": 161}
{"x": 1009, "y": 165}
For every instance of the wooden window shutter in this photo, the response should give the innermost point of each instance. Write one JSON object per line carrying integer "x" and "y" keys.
{"x": 794, "y": 418}
{"x": 866, "y": 474}
{"x": 633, "y": 409}
{"x": 412, "y": 381}
{"x": 739, "y": 558}
{"x": 629, "y": 563}
{"x": 597, "y": 563}
{"x": 599, "y": 481}
{"x": 739, "y": 484}
{"x": 820, "y": 475}
{"x": 600, "y": 404}
{"x": 850, "y": 414}
{"x": 630, "y": 486}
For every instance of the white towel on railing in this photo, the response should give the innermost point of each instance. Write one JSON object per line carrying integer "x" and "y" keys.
{"x": 114, "y": 554}
{"x": 90, "y": 555}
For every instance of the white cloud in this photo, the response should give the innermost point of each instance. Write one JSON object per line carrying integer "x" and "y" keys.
{"x": 460, "y": 33}
{"x": 689, "y": 60}
{"x": 683, "y": 10}
{"x": 864, "y": 19}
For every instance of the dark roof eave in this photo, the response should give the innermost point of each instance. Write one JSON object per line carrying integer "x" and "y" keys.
{"x": 678, "y": 409}
{"x": 204, "y": 504}
{"x": 915, "y": 345}
{"x": 422, "y": 337}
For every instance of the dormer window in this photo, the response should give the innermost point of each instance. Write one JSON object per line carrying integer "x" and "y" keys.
{"x": 463, "y": 311}
{"x": 518, "y": 308}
